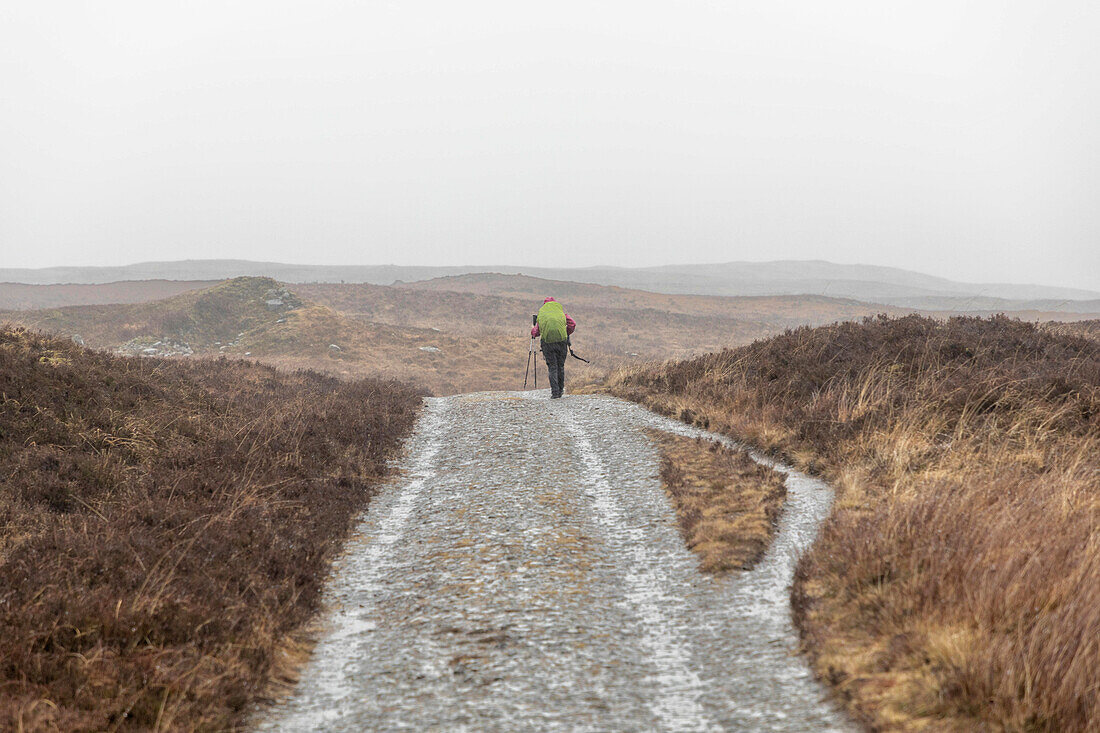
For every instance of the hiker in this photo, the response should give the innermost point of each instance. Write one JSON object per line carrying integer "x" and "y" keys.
{"x": 554, "y": 326}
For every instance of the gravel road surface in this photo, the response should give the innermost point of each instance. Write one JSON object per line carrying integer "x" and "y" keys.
{"x": 526, "y": 573}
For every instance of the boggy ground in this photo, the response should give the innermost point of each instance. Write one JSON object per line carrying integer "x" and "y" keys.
{"x": 956, "y": 585}
{"x": 166, "y": 525}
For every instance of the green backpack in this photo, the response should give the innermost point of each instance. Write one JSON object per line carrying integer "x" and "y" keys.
{"x": 552, "y": 323}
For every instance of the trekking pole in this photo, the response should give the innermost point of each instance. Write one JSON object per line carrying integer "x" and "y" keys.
{"x": 569, "y": 345}
{"x": 530, "y": 356}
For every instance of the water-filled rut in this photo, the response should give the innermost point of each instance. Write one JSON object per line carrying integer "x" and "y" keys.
{"x": 526, "y": 573}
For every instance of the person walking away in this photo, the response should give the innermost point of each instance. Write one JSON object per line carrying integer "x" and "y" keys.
{"x": 553, "y": 326}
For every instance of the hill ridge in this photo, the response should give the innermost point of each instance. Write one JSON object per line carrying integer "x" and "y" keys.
{"x": 869, "y": 283}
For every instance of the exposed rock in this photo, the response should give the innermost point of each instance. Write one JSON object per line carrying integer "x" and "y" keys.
{"x": 280, "y": 299}
{"x": 151, "y": 346}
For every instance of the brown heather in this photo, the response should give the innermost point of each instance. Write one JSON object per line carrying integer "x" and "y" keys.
{"x": 956, "y": 585}
{"x": 165, "y": 527}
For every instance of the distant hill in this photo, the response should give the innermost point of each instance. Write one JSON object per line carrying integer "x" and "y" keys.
{"x": 981, "y": 303}
{"x": 431, "y": 333}
{"x": 868, "y": 283}
{"x": 776, "y": 311}
{"x": 226, "y": 269}
{"x": 452, "y": 334}
{"x": 190, "y": 322}
{"x": 772, "y": 313}
{"x": 263, "y": 320}
{"x": 21, "y": 296}
{"x": 612, "y": 321}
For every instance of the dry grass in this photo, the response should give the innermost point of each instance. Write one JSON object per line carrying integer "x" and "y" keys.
{"x": 644, "y": 331}
{"x": 726, "y": 503}
{"x": 957, "y": 584}
{"x": 615, "y": 321}
{"x": 165, "y": 528}
{"x": 444, "y": 363}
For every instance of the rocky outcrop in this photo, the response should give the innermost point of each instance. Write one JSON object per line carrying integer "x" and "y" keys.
{"x": 149, "y": 346}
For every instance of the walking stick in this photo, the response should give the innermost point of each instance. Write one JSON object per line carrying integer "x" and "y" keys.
{"x": 530, "y": 356}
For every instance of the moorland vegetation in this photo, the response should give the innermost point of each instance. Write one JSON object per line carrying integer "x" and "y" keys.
{"x": 956, "y": 585}
{"x": 165, "y": 527}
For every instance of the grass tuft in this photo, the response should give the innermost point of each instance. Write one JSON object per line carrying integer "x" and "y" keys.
{"x": 726, "y": 503}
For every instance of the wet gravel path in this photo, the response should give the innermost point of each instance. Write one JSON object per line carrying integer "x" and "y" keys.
{"x": 527, "y": 574}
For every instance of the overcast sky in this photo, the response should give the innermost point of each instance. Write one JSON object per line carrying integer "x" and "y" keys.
{"x": 956, "y": 138}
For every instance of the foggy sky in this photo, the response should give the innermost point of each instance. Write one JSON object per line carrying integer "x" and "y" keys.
{"x": 960, "y": 139}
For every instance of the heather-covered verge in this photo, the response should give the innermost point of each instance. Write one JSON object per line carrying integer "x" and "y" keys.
{"x": 957, "y": 584}
{"x": 165, "y": 527}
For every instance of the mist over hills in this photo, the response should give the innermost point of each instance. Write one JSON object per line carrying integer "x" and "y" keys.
{"x": 21, "y": 296}
{"x": 868, "y": 283}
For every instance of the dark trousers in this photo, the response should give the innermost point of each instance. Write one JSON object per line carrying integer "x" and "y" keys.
{"x": 555, "y": 355}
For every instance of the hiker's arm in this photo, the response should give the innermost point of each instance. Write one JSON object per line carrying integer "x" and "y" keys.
{"x": 570, "y": 325}
{"x": 535, "y": 331}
